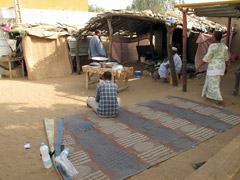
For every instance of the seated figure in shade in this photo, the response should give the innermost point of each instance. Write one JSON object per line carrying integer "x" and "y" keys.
{"x": 106, "y": 103}
{"x": 164, "y": 69}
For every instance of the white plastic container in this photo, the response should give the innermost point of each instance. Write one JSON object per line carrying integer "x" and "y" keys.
{"x": 47, "y": 163}
{"x": 142, "y": 59}
{"x": 64, "y": 163}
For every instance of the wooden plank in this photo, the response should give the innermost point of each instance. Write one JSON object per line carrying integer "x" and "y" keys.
{"x": 222, "y": 166}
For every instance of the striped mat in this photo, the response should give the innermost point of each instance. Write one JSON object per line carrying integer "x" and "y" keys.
{"x": 141, "y": 136}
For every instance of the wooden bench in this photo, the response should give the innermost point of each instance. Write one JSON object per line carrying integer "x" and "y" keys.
{"x": 225, "y": 165}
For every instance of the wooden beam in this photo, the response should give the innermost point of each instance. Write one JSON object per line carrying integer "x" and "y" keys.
{"x": 110, "y": 38}
{"x": 170, "y": 30}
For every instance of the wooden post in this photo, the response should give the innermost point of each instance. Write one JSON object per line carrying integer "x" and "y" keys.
{"x": 170, "y": 30}
{"x": 151, "y": 41}
{"x": 110, "y": 37}
{"x": 159, "y": 41}
{"x": 77, "y": 55}
{"x": 10, "y": 69}
{"x": 87, "y": 80}
{"x": 184, "y": 67}
{"x": 23, "y": 74}
{"x": 228, "y": 31}
{"x": 121, "y": 59}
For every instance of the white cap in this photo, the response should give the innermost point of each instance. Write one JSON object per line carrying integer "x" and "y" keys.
{"x": 174, "y": 48}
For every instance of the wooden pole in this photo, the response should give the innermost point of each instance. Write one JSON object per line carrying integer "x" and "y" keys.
{"x": 228, "y": 31}
{"x": 110, "y": 37}
{"x": 121, "y": 50}
{"x": 151, "y": 41}
{"x": 184, "y": 67}
{"x": 77, "y": 55}
{"x": 170, "y": 30}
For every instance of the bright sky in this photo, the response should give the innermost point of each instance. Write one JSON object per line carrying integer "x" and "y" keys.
{"x": 122, "y": 4}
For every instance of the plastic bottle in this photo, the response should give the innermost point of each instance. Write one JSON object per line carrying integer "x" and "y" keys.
{"x": 45, "y": 156}
{"x": 65, "y": 152}
{"x": 64, "y": 163}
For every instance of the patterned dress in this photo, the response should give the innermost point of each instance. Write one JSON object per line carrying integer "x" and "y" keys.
{"x": 216, "y": 57}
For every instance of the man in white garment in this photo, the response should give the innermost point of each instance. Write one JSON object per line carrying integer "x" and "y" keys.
{"x": 164, "y": 68}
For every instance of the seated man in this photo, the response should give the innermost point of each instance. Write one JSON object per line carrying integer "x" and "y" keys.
{"x": 164, "y": 67}
{"x": 106, "y": 103}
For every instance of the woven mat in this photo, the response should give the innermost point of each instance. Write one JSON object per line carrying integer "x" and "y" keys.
{"x": 141, "y": 136}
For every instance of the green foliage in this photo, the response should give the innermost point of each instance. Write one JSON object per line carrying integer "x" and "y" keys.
{"x": 155, "y": 6}
{"x": 94, "y": 8}
{"x": 129, "y": 8}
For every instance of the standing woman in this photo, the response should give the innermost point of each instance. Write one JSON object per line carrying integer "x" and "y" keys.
{"x": 217, "y": 58}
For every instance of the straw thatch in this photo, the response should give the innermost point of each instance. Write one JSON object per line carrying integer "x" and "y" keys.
{"x": 128, "y": 23}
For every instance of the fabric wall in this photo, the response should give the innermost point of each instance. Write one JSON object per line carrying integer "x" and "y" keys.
{"x": 124, "y": 49}
{"x": 204, "y": 41}
{"x": 46, "y": 58}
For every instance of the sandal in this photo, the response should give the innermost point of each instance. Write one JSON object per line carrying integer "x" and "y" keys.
{"x": 219, "y": 105}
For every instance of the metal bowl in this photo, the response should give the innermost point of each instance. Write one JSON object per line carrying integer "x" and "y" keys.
{"x": 95, "y": 65}
{"x": 110, "y": 64}
{"x": 100, "y": 58}
{"x": 117, "y": 67}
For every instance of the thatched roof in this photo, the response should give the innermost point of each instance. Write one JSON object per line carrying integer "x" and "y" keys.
{"x": 44, "y": 30}
{"x": 127, "y": 23}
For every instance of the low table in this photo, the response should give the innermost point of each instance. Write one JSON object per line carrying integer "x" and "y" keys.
{"x": 124, "y": 74}
{"x": 10, "y": 60}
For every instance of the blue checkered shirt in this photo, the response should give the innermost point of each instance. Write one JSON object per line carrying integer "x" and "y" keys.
{"x": 107, "y": 97}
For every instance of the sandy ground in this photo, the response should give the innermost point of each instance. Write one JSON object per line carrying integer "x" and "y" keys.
{"x": 24, "y": 104}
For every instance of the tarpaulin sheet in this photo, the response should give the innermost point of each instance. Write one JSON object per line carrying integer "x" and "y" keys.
{"x": 124, "y": 49}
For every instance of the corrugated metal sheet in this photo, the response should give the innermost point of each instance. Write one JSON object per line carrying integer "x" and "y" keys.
{"x": 83, "y": 46}
{"x": 213, "y": 9}
{"x": 232, "y": 10}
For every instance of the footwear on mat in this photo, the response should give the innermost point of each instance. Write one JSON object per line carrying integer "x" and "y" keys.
{"x": 218, "y": 105}
{"x": 198, "y": 165}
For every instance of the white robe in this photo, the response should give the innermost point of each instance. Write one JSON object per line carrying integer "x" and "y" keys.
{"x": 163, "y": 71}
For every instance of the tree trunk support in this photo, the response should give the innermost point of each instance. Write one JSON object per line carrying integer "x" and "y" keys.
{"x": 228, "y": 31}
{"x": 151, "y": 41}
{"x": 184, "y": 67}
{"x": 109, "y": 20}
{"x": 77, "y": 55}
{"x": 170, "y": 30}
